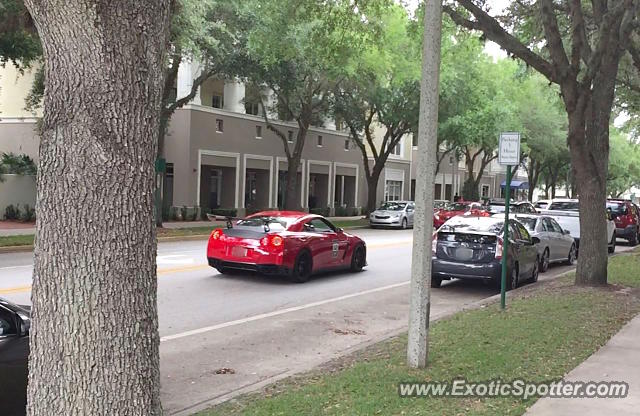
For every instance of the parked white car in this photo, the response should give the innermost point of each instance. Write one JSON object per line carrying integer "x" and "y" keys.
{"x": 566, "y": 213}
{"x": 542, "y": 204}
{"x": 556, "y": 245}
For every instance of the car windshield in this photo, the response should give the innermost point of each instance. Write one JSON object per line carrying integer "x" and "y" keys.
{"x": 393, "y": 206}
{"x": 275, "y": 223}
{"x": 565, "y": 206}
{"x": 617, "y": 208}
{"x": 529, "y": 223}
{"x": 457, "y": 207}
{"x": 440, "y": 204}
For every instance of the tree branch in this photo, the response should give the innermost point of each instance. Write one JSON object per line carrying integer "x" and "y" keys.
{"x": 554, "y": 40}
{"x": 495, "y": 32}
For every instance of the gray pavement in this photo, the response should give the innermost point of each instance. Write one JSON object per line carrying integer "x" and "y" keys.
{"x": 266, "y": 328}
{"x": 618, "y": 360}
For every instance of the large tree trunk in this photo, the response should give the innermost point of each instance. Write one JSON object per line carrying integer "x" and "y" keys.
{"x": 372, "y": 190}
{"x": 291, "y": 200}
{"x": 94, "y": 336}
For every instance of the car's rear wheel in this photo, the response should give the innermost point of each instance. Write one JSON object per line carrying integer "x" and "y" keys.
{"x": 571, "y": 257}
{"x": 512, "y": 282}
{"x": 544, "y": 262}
{"x": 536, "y": 271}
{"x": 302, "y": 268}
{"x": 436, "y": 282}
{"x": 358, "y": 259}
{"x": 612, "y": 244}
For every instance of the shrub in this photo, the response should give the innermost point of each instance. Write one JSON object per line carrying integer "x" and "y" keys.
{"x": 194, "y": 215}
{"x": 183, "y": 213}
{"x": 320, "y": 211}
{"x": 174, "y": 214}
{"x": 29, "y": 213}
{"x": 223, "y": 212}
{"x": 12, "y": 212}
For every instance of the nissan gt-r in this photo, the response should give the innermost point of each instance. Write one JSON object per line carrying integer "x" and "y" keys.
{"x": 295, "y": 244}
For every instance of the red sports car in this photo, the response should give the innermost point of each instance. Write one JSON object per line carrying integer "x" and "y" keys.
{"x": 296, "y": 244}
{"x": 458, "y": 208}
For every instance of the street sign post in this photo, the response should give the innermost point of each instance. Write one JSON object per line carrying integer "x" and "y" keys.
{"x": 509, "y": 155}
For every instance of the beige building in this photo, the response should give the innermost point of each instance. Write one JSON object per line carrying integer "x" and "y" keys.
{"x": 220, "y": 154}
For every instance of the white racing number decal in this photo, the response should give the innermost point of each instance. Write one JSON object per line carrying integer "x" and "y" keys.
{"x": 334, "y": 250}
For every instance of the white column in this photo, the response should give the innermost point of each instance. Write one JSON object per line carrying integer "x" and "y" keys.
{"x": 234, "y": 96}
{"x": 329, "y": 123}
{"x": 270, "y": 102}
{"x": 187, "y": 72}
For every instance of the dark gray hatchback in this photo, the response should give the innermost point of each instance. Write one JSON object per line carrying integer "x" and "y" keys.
{"x": 471, "y": 248}
{"x": 14, "y": 353}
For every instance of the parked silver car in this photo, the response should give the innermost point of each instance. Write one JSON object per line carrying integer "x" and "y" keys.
{"x": 556, "y": 244}
{"x": 393, "y": 214}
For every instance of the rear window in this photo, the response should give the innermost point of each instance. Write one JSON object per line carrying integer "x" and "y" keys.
{"x": 617, "y": 208}
{"x": 565, "y": 206}
{"x": 472, "y": 225}
{"x": 457, "y": 207}
{"x": 529, "y": 223}
{"x": 275, "y": 223}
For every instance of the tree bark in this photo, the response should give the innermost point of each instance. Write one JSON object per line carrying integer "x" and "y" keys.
{"x": 94, "y": 336}
{"x": 372, "y": 188}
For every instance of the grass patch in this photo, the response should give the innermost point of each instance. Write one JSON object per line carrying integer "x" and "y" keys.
{"x": 181, "y": 232}
{"x": 16, "y": 240}
{"x": 351, "y": 223}
{"x": 625, "y": 270}
{"x": 548, "y": 330}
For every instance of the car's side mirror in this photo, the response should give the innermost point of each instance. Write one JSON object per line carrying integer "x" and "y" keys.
{"x": 535, "y": 240}
{"x": 24, "y": 326}
{"x": 339, "y": 230}
{"x": 566, "y": 232}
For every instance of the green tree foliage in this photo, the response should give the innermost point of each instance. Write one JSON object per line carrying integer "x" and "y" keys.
{"x": 295, "y": 53}
{"x": 382, "y": 96}
{"x": 624, "y": 164}
{"x": 19, "y": 43}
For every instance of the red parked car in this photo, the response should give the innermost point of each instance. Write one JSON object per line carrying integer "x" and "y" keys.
{"x": 458, "y": 208}
{"x": 627, "y": 218}
{"x": 295, "y": 244}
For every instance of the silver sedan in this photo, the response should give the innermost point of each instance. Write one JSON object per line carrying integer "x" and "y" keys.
{"x": 393, "y": 214}
{"x": 556, "y": 244}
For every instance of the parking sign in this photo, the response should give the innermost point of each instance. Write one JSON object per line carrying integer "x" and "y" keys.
{"x": 509, "y": 149}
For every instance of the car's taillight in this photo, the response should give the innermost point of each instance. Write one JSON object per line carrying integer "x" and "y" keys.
{"x": 434, "y": 242}
{"x": 499, "y": 248}
{"x": 217, "y": 234}
{"x": 272, "y": 241}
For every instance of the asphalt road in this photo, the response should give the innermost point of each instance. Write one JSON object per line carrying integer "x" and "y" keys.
{"x": 266, "y": 328}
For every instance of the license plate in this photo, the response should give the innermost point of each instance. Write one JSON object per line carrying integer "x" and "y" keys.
{"x": 238, "y": 251}
{"x": 464, "y": 253}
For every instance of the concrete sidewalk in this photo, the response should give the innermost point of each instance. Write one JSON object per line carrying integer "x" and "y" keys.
{"x": 618, "y": 360}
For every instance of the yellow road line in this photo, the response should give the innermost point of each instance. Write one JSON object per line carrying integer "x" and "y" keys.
{"x": 161, "y": 272}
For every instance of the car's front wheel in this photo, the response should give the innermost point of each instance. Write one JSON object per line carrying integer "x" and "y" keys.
{"x": 544, "y": 262}
{"x": 358, "y": 259}
{"x": 612, "y": 244}
{"x": 571, "y": 257}
{"x": 536, "y": 271}
{"x": 404, "y": 223}
{"x": 436, "y": 282}
{"x": 302, "y": 268}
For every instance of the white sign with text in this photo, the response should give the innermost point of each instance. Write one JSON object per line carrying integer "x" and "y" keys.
{"x": 509, "y": 149}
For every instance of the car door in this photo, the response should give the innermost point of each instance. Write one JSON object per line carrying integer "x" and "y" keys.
{"x": 326, "y": 243}
{"x": 563, "y": 241}
{"x": 551, "y": 238}
{"x": 528, "y": 252}
{"x": 14, "y": 353}
{"x": 410, "y": 210}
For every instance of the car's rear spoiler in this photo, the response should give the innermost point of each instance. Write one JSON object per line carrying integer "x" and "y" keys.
{"x": 229, "y": 220}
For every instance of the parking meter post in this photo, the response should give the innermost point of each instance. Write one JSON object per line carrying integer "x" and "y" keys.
{"x": 505, "y": 240}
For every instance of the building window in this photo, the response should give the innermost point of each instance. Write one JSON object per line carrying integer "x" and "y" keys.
{"x": 251, "y": 108}
{"x": 219, "y": 125}
{"x": 450, "y": 160}
{"x": 216, "y": 101}
{"x": 346, "y": 144}
{"x": 319, "y": 141}
{"x": 339, "y": 125}
{"x": 258, "y": 132}
{"x": 290, "y": 136}
{"x": 393, "y": 190}
{"x": 414, "y": 139}
{"x": 485, "y": 191}
{"x": 397, "y": 149}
